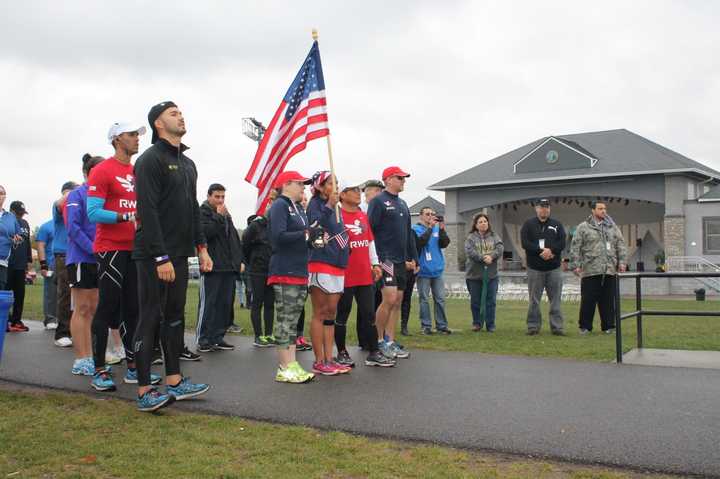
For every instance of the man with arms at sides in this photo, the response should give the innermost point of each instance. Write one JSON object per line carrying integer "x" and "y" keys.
{"x": 395, "y": 243}
{"x": 168, "y": 232}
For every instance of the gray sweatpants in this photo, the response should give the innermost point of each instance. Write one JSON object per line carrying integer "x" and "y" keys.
{"x": 539, "y": 281}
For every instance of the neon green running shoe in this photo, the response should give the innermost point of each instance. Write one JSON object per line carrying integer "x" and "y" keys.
{"x": 293, "y": 374}
{"x": 306, "y": 375}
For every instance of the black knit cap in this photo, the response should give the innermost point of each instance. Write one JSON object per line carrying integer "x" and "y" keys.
{"x": 154, "y": 113}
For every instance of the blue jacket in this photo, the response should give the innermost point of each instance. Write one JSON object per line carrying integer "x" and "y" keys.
{"x": 80, "y": 230}
{"x": 332, "y": 254}
{"x": 9, "y": 227}
{"x": 288, "y": 224}
{"x": 430, "y": 242}
{"x": 389, "y": 218}
{"x": 59, "y": 232}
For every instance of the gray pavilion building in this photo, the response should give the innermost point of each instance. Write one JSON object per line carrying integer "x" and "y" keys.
{"x": 661, "y": 200}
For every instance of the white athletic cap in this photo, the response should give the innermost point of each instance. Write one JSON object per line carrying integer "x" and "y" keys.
{"x": 345, "y": 185}
{"x": 118, "y": 129}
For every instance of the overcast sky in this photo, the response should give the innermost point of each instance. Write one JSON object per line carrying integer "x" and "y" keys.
{"x": 435, "y": 87}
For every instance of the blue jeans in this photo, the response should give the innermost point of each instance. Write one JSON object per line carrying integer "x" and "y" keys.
{"x": 437, "y": 285}
{"x": 475, "y": 288}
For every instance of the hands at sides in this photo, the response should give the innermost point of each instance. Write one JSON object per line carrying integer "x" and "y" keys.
{"x": 206, "y": 263}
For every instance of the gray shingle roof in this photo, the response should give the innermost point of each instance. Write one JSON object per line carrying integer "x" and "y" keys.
{"x": 619, "y": 152}
{"x": 428, "y": 201}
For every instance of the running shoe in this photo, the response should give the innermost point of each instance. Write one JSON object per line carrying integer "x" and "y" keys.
{"x": 321, "y": 367}
{"x": 261, "y": 342}
{"x": 295, "y": 366}
{"x": 584, "y": 332}
{"x": 153, "y": 400}
{"x": 448, "y": 330}
{"x": 83, "y": 367}
{"x": 302, "y": 345}
{"x": 609, "y": 331}
{"x": 271, "y": 340}
{"x": 188, "y": 355}
{"x": 51, "y": 325}
{"x": 102, "y": 381}
{"x": 63, "y": 342}
{"x": 206, "y": 348}
{"x": 223, "y": 346}
{"x": 399, "y": 351}
{"x": 235, "y": 329}
{"x": 293, "y": 373}
{"x": 158, "y": 358}
{"x": 18, "y": 327}
{"x": 186, "y": 389}
{"x": 386, "y": 350}
{"x": 131, "y": 377}
{"x": 376, "y": 358}
{"x": 343, "y": 358}
{"x": 339, "y": 367}
{"x": 427, "y": 331}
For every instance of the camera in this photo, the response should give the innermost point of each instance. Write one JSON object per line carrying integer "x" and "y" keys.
{"x": 439, "y": 218}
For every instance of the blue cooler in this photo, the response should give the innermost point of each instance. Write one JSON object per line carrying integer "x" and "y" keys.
{"x": 6, "y": 301}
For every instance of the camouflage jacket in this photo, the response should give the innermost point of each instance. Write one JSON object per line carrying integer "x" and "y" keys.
{"x": 597, "y": 248}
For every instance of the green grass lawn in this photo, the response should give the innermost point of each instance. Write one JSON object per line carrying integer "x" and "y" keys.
{"x": 59, "y": 435}
{"x": 659, "y": 332}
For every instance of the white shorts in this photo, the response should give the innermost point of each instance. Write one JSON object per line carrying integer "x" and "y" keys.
{"x": 327, "y": 283}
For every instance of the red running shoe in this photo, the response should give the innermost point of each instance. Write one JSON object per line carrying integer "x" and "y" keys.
{"x": 339, "y": 367}
{"x": 321, "y": 367}
{"x": 18, "y": 327}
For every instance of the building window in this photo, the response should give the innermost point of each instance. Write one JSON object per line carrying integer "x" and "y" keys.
{"x": 711, "y": 235}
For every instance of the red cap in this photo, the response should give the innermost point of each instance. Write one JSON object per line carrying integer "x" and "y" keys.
{"x": 393, "y": 171}
{"x": 287, "y": 176}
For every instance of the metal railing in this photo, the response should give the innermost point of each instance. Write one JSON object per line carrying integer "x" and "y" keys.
{"x": 640, "y": 312}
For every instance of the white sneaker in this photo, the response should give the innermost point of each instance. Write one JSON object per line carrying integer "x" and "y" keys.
{"x": 51, "y": 325}
{"x": 64, "y": 342}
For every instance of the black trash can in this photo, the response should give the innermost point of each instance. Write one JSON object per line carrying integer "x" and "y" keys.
{"x": 700, "y": 294}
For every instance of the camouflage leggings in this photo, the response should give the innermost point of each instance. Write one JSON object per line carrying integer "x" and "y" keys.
{"x": 289, "y": 303}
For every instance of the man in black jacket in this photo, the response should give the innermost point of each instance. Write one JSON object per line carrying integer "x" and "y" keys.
{"x": 543, "y": 240}
{"x": 168, "y": 232}
{"x": 217, "y": 287}
{"x": 19, "y": 264}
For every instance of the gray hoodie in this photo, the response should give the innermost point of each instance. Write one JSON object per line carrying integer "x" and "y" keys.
{"x": 477, "y": 246}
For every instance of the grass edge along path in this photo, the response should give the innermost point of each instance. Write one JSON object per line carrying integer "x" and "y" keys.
{"x": 74, "y": 435}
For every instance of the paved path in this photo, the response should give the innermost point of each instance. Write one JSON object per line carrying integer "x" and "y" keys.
{"x": 663, "y": 419}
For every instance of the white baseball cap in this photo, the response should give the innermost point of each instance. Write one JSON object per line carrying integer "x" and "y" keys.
{"x": 118, "y": 129}
{"x": 346, "y": 185}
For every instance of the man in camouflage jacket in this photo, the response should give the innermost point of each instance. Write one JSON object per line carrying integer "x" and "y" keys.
{"x": 597, "y": 254}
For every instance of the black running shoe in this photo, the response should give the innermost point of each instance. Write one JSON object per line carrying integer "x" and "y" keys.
{"x": 188, "y": 355}
{"x": 343, "y": 358}
{"x": 157, "y": 357}
{"x": 376, "y": 358}
{"x": 223, "y": 346}
{"x": 205, "y": 348}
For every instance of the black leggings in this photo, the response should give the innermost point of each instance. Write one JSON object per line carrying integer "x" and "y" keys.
{"x": 16, "y": 284}
{"x": 263, "y": 300}
{"x": 597, "y": 290}
{"x": 117, "y": 304}
{"x": 161, "y": 305}
{"x": 365, "y": 298}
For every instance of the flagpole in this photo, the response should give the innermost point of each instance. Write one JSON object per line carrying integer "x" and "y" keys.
{"x": 330, "y": 156}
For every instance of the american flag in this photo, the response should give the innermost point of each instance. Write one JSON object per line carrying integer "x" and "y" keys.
{"x": 388, "y": 267}
{"x": 342, "y": 238}
{"x": 301, "y": 117}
